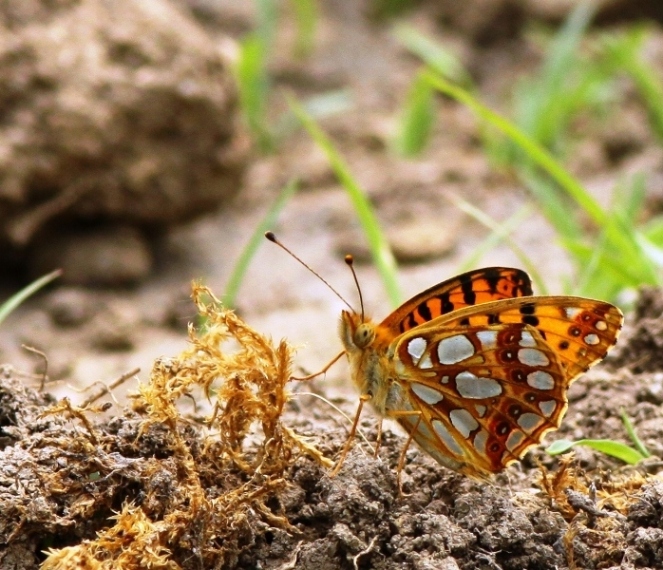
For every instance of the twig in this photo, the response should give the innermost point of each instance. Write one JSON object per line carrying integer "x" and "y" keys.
{"x": 107, "y": 388}
{"x": 44, "y": 374}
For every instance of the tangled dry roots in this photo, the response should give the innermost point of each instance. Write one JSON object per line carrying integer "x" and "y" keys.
{"x": 223, "y": 473}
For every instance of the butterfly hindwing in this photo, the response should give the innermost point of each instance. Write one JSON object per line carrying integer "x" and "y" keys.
{"x": 488, "y": 381}
{"x": 471, "y": 288}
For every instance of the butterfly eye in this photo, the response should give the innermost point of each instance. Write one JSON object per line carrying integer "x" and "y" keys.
{"x": 364, "y": 335}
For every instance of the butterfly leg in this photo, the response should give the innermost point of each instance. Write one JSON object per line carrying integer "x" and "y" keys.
{"x": 321, "y": 372}
{"x": 378, "y": 442}
{"x": 353, "y": 430}
{"x": 401, "y": 458}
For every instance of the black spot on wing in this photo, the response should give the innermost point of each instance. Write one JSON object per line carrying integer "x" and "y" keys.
{"x": 527, "y": 309}
{"x": 469, "y": 296}
{"x": 531, "y": 320}
{"x": 492, "y": 277}
{"x": 424, "y": 311}
{"x": 447, "y": 305}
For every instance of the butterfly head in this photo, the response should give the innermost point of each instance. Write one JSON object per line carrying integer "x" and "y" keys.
{"x": 356, "y": 332}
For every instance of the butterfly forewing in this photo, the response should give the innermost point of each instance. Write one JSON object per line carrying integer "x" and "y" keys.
{"x": 579, "y": 330}
{"x": 487, "y": 382}
{"x": 471, "y": 288}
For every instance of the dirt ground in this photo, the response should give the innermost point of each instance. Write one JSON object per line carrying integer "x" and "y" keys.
{"x": 587, "y": 512}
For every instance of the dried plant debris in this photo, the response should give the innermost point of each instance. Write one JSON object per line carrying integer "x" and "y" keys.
{"x": 239, "y": 488}
{"x": 154, "y": 489}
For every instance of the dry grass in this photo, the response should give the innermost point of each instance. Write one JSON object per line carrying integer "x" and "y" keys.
{"x": 220, "y": 476}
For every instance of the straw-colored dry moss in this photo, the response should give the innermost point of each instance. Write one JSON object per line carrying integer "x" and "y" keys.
{"x": 218, "y": 482}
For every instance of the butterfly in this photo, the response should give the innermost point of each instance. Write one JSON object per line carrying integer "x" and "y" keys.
{"x": 476, "y": 369}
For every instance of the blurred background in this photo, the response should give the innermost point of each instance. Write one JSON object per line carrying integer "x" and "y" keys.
{"x": 146, "y": 144}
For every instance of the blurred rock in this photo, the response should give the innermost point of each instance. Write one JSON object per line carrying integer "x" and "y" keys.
{"x": 71, "y": 306}
{"x": 412, "y": 241}
{"x": 111, "y": 111}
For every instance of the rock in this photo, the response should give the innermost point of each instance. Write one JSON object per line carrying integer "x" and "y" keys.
{"x": 112, "y": 111}
{"x": 71, "y": 307}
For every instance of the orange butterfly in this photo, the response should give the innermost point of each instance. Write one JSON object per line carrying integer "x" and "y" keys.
{"x": 476, "y": 369}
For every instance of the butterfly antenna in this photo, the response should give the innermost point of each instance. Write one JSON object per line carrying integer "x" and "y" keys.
{"x": 271, "y": 237}
{"x": 349, "y": 260}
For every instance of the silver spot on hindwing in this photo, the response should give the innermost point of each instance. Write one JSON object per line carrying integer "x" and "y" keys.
{"x": 427, "y": 394}
{"x": 488, "y": 339}
{"x": 447, "y": 438}
{"x": 515, "y": 438}
{"x": 454, "y": 349}
{"x": 471, "y": 386}
{"x": 592, "y": 339}
{"x": 532, "y": 357}
{"x": 480, "y": 440}
{"x": 425, "y": 362}
{"x": 527, "y": 339}
{"x": 540, "y": 380}
{"x": 571, "y": 312}
{"x": 601, "y": 325}
{"x": 548, "y": 407}
{"x": 529, "y": 421}
{"x": 416, "y": 348}
{"x": 463, "y": 421}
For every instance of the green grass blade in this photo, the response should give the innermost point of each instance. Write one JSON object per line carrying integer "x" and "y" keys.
{"x": 257, "y": 238}
{"x": 306, "y": 19}
{"x": 491, "y": 224}
{"x": 653, "y": 230}
{"x": 553, "y": 205}
{"x": 628, "y": 426}
{"x": 545, "y": 103}
{"x": 377, "y": 242}
{"x": 536, "y": 152}
{"x": 434, "y": 55}
{"x": 253, "y": 87}
{"x": 623, "y": 53}
{"x": 318, "y": 106}
{"x": 621, "y": 236}
{"x": 17, "y": 298}
{"x": 495, "y": 237}
{"x": 418, "y": 117}
{"x": 614, "y": 449}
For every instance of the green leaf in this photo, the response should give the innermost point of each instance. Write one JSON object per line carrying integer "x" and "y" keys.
{"x": 614, "y": 449}
{"x": 628, "y": 426}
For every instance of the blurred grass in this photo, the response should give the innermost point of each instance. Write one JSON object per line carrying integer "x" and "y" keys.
{"x": 417, "y": 120}
{"x": 620, "y": 254}
{"x": 377, "y": 242}
{"x": 256, "y": 239}
{"x": 306, "y": 19}
{"x": 611, "y": 247}
{"x": 11, "y": 304}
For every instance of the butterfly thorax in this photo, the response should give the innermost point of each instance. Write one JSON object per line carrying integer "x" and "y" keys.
{"x": 367, "y": 346}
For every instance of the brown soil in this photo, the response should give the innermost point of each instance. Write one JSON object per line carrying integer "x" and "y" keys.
{"x": 62, "y": 480}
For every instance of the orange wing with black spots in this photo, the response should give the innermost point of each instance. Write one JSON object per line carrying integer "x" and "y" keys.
{"x": 471, "y": 288}
{"x": 487, "y": 382}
